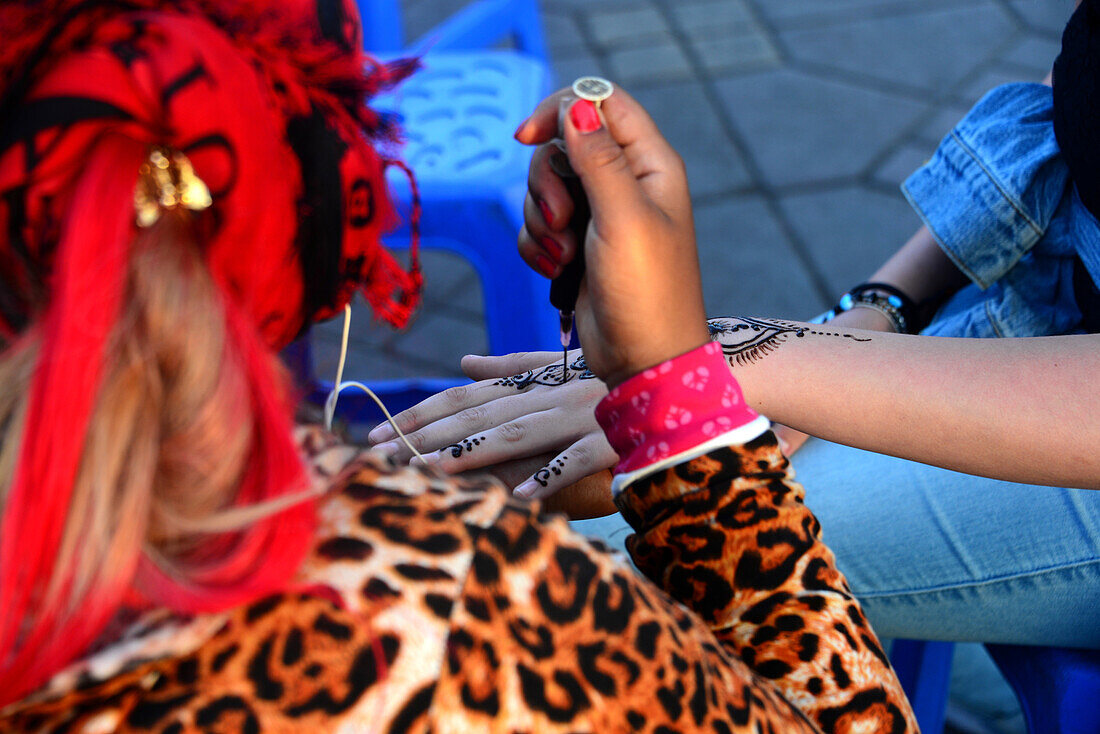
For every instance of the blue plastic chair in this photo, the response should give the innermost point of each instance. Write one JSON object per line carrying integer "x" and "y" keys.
{"x": 459, "y": 113}
{"x": 924, "y": 669}
{"x": 1058, "y": 688}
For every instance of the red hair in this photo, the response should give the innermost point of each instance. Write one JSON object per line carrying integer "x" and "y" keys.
{"x": 273, "y": 118}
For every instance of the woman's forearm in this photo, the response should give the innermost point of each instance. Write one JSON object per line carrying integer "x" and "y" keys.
{"x": 1017, "y": 409}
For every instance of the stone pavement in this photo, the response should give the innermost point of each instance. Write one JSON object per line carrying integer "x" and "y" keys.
{"x": 797, "y": 120}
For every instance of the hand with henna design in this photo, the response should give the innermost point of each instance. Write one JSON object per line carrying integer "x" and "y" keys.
{"x": 520, "y": 414}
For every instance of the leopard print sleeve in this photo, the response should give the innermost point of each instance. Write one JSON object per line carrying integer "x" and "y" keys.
{"x": 554, "y": 634}
{"x": 728, "y": 535}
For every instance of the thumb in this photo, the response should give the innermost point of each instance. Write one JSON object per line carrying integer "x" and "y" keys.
{"x": 601, "y": 162}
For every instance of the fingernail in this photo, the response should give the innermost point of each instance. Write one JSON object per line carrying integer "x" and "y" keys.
{"x": 545, "y": 266}
{"x": 526, "y": 489}
{"x": 546, "y": 213}
{"x": 389, "y": 449}
{"x": 552, "y": 247}
{"x": 381, "y": 432}
{"x": 584, "y": 116}
{"x": 520, "y": 129}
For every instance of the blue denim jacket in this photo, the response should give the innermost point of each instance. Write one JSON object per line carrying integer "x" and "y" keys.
{"x": 996, "y": 194}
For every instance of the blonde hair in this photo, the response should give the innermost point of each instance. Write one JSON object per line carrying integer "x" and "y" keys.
{"x": 172, "y": 428}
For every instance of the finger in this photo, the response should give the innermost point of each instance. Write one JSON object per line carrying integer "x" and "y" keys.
{"x": 546, "y": 187}
{"x": 439, "y": 406}
{"x": 453, "y": 414}
{"x": 454, "y": 442}
{"x": 590, "y": 454}
{"x": 557, "y": 247}
{"x": 789, "y": 439}
{"x": 527, "y": 433}
{"x": 542, "y": 125}
{"x": 604, "y": 170}
{"x": 626, "y": 129}
{"x": 477, "y": 367}
{"x": 536, "y": 256}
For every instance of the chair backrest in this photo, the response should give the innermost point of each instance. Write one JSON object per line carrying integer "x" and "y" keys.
{"x": 383, "y": 29}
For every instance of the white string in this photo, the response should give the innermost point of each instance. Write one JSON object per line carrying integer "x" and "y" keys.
{"x": 339, "y": 387}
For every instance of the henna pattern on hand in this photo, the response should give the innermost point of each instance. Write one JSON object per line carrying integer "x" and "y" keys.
{"x": 466, "y": 444}
{"x": 746, "y": 340}
{"x": 550, "y": 375}
{"x": 542, "y": 476}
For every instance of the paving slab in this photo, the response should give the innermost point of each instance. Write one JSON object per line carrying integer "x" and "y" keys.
{"x": 899, "y": 49}
{"x": 1033, "y": 52}
{"x": 749, "y": 266}
{"x": 685, "y": 117}
{"x": 661, "y": 59}
{"x": 631, "y": 25}
{"x": 941, "y": 122}
{"x": 1045, "y": 15}
{"x": 750, "y": 51}
{"x": 709, "y": 18}
{"x": 567, "y": 66}
{"x": 816, "y": 13}
{"x": 802, "y": 128}
{"x": 563, "y": 32}
{"x": 850, "y": 230}
{"x": 902, "y": 162}
{"x": 972, "y": 91}
{"x": 420, "y": 16}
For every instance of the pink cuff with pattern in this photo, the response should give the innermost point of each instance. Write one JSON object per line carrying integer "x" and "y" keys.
{"x": 672, "y": 408}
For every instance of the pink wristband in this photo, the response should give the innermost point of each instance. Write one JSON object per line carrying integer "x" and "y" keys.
{"x": 672, "y": 408}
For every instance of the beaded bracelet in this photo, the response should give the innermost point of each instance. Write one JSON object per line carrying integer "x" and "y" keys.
{"x": 895, "y": 305}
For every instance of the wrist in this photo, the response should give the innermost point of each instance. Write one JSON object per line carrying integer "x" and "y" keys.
{"x": 864, "y": 318}
{"x": 902, "y": 315}
{"x": 674, "y": 407}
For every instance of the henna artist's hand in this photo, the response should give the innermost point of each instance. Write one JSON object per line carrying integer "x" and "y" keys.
{"x": 641, "y": 299}
{"x": 519, "y": 409}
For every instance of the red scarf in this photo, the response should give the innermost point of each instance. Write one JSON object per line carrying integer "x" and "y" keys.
{"x": 267, "y": 101}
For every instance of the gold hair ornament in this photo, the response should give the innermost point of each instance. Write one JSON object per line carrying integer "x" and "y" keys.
{"x": 167, "y": 180}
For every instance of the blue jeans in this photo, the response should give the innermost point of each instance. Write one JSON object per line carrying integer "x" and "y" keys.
{"x": 934, "y": 554}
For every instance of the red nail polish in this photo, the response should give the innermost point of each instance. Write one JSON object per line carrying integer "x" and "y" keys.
{"x": 545, "y": 266}
{"x": 520, "y": 129}
{"x": 551, "y": 245}
{"x": 546, "y": 213}
{"x": 584, "y": 116}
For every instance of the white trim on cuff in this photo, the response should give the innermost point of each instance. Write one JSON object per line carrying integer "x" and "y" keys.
{"x": 740, "y": 435}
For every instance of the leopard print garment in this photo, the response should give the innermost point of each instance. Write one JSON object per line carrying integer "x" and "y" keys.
{"x": 446, "y": 605}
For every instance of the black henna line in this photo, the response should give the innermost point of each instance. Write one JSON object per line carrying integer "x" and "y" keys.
{"x": 466, "y": 444}
{"x": 761, "y": 337}
{"x": 542, "y": 476}
{"x": 550, "y": 375}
